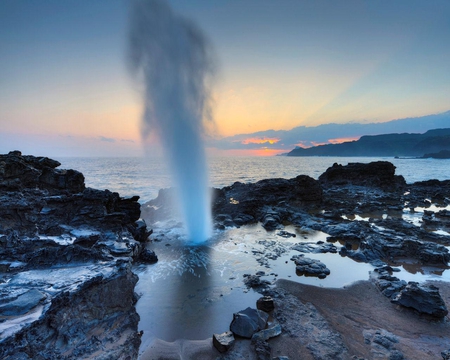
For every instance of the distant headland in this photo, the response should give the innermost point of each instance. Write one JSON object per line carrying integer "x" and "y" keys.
{"x": 432, "y": 144}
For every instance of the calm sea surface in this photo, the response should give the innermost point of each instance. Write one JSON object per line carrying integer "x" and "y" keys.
{"x": 145, "y": 176}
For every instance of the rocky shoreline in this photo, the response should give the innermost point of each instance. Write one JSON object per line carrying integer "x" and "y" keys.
{"x": 66, "y": 254}
{"x": 67, "y": 289}
{"x": 361, "y": 207}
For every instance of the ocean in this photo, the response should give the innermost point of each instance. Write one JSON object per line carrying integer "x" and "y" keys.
{"x": 145, "y": 176}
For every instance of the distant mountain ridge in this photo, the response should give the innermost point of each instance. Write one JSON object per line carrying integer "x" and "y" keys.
{"x": 405, "y": 144}
{"x": 312, "y": 135}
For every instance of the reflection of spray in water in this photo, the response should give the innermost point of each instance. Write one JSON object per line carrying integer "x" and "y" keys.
{"x": 174, "y": 59}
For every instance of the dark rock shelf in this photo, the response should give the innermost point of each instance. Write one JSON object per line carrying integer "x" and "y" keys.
{"x": 67, "y": 290}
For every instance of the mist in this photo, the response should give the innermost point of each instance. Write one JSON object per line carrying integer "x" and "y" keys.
{"x": 174, "y": 61}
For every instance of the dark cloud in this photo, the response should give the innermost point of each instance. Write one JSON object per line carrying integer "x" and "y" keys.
{"x": 330, "y": 133}
{"x": 106, "y": 139}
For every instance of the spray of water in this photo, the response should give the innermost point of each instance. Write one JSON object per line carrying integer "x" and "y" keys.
{"x": 174, "y": 59}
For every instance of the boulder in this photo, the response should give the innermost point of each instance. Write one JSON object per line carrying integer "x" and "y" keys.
{"x": 148, "y": 256}
{"x": 423, "y": 298}
{"x": 265, "y": 303}
{"x": 379, "y": 174}
{"x": 254, "y": 281}
{"x": 310, "y": 267}
{"x": 223, "y": 342}
{"x": 271, "y": 222}
{"x": 247, "y": 322}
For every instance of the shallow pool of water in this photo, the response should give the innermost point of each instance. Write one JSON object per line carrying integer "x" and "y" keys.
{"x": 192, "y": 292}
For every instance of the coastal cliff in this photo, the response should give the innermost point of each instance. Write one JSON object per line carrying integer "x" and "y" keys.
{"x": 402, "y": 145}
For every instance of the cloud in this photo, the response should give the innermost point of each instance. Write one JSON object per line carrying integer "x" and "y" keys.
{"x": 106, "y": 139}
{"x": 303, "y": 144}
{"x": 303, "y": 136}
{"x": 344, "y": 139}
{"x": 256, "y": 140}
{"x": 61, "y": 145}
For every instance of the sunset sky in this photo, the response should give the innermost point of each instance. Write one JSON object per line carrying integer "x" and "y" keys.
{"x": 65, "y": 89}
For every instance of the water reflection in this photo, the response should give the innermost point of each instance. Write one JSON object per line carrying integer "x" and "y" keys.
{"x": 192, "y": 292}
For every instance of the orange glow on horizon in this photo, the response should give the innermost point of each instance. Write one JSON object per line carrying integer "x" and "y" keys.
{"x": 255, "y": 140}
{"x": 342, "y": 140}
{"x": 302, "y": 145}
{"x": 247, "y": 152}
{"x": 308, "y": 144}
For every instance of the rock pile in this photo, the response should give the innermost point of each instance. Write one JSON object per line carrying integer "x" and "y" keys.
{"x": 255, "y": 324}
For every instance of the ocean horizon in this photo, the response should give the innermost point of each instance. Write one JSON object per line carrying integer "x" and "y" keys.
{"x": 130, "y": 176}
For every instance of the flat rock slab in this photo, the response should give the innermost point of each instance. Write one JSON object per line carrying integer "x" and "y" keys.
{"x": 23, "y": 304}
{"x": 267, "y": 334}
{"x": 349, "y": 311}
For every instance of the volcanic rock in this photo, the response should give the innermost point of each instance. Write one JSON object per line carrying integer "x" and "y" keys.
{"x": 254, "y": 281}
{"x": 18, "y": 172}
{"x": 267, "y": 334}
{"x": 266, "y": 200}
{"x": 247, "y": 322}
{"x": 310, "y": 267}
{"x": 265, "y": 303}
{"x": 263, "y": 350}
{"x": 80, "y": 321}
{"x": 375, "y": 174}
{"x": 223, "y": 342}
{"x": 148, "y": 257}
{"x": 446, "y": 354}
{"x": 67, "y": 289}
{"x": 423, "y": 298}
{"x": 23, "y": 304}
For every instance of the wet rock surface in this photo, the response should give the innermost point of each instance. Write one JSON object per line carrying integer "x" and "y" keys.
{"x": 247, "y": 322}
{"x": 67, "y": 290}
{"x": 223, "y": 342}
{"x": 372, "y": 216}
{"x": 332, "y": 204}
{"x": 423, "y": 298}
{"x": 310, "y": 267}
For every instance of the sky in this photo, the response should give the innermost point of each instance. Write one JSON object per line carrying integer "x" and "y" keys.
{"x": 65, "y": 89}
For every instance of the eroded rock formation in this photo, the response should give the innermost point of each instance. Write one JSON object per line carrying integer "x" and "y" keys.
{"x": 67, "y": 290}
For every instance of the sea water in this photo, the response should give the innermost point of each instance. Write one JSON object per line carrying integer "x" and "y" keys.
{"x": 145, "y": 176}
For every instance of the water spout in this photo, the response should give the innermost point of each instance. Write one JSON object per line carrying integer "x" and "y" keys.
{"x": 174, "y": 60}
